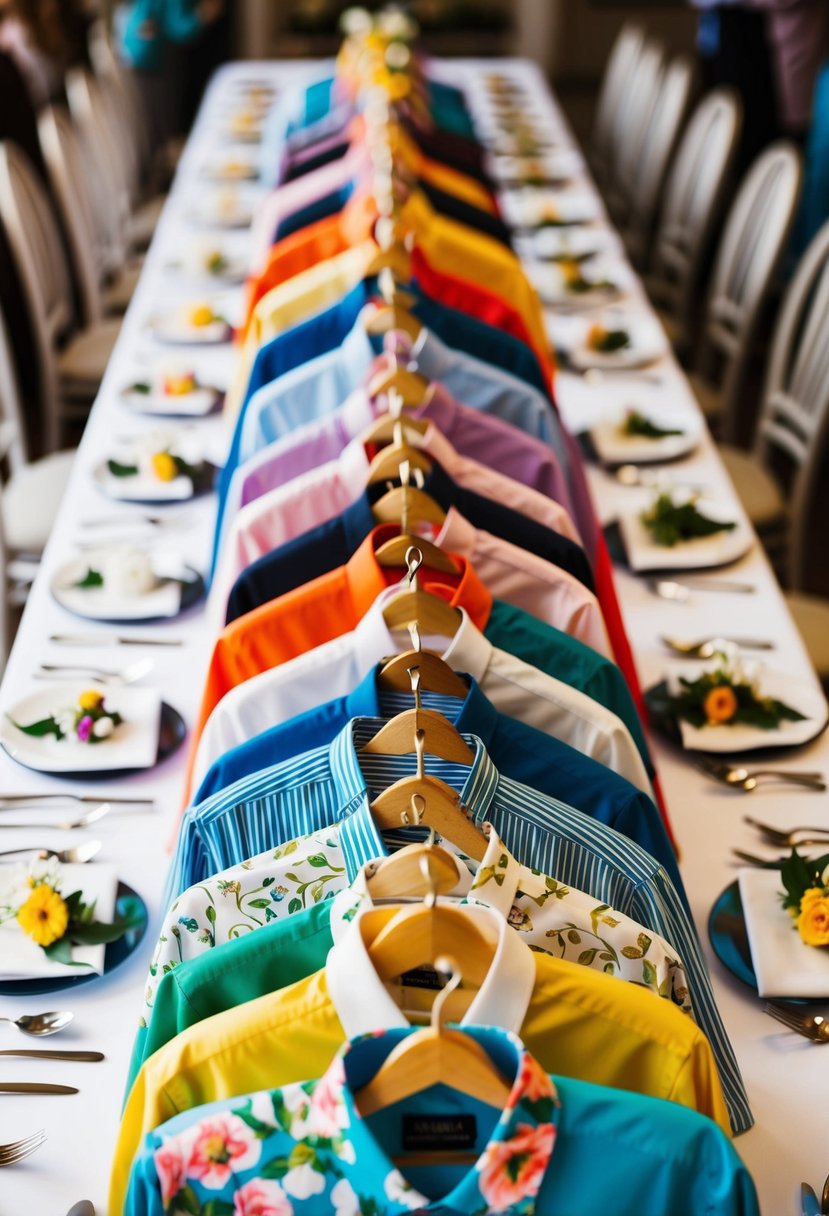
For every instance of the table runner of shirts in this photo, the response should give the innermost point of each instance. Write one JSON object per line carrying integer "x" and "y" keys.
{"x": 391, "y": 378}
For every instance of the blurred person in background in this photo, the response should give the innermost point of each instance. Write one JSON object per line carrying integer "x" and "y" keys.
{"x": 797, "y": 32}
{"x": 150, "y": 29}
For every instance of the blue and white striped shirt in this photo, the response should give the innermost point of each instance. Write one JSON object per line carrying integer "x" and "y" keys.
{"x": 331, "y": 785}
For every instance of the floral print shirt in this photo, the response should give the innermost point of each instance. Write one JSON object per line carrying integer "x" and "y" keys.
{"x": 553, "y": 1148}
{"x": 555, "y": 918}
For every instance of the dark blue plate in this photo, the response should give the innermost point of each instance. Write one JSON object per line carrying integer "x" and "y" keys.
{"x": 127, "y": 904}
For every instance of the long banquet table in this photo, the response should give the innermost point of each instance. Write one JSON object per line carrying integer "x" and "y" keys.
{"x": 787, "y": 1077}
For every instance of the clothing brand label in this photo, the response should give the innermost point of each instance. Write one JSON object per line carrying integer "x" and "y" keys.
{"x": 422, "y": 977}
{"x": 432, "y": 1132}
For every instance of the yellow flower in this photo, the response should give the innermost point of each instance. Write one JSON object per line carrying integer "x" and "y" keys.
{"x": 596, "y": 335}
{"x": 813, "y": 921}
{"x": 811, "y": 896}
{"x": 91, "y": 699}
{"x": 179, "y": 384}
{"x": 44, "y": 915}
{"x": 720, "y": 705}
{"x": 570, "y": 270}
{"x": 164, "y": 466}
{"x": 201, "y": 314}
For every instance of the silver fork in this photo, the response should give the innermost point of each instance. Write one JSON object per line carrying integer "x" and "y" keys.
{"x": 812, "y": 1026}
{"x": 127, "y": 675}
{"x": 792, "y": 837}
{"x": 67, "y": 825}
{"x": 16, "y": 1150}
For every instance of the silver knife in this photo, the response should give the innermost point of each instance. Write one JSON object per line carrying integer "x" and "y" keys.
{"x": 94, "y": 799}
{"x": 34, "y": 1087}
{"x": 110, "y": 639}
{"x": 809, "y": 1205}
{"x": 42, "y": 1053}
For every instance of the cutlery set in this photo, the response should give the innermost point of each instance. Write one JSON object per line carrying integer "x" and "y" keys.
{"x": 39, "y": 1025}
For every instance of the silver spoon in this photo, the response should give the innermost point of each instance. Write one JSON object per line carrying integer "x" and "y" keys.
{"x": 707, "y": 648}
{"x": 65, "y": 825}
{"x": 127, "y": 675}
{"x": 76, "y": 856}
{"x": 668, "y": 589}
{"x": 633, "y": 475}
{"x": 41, "y": 1024}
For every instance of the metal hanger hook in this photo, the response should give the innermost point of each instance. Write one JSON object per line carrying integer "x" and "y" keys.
{"x": 431, "y": 896}
{"x": 415, "y": 816}
{"x": 449, "y": 966}
{"x": 414, "y": 560}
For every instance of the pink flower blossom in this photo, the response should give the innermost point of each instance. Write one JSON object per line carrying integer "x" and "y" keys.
{"x": 328, "y": 1115}
{"x": 512, "y": 1170}
{"x": 170, "y": 1165}
{"x": 260, "y": 1197}
{"x": 532, "y": 1082}
{"x": 85, "y": 728}
{"x": 223, "y": 1145}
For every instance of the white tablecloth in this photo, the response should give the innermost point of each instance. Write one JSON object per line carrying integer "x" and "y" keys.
{"x": 786, "y": 1076}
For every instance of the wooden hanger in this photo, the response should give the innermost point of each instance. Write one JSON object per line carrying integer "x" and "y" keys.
{"x": 419, "y": 728}
{"x": 395, "y": 258}
{"x": 436, "y": 1056}
{"x": 435, "y": 673}
{"x": 401, "y": 875}
{"x": 387, "y": 463}
{"x": 430, "y": 613}
{"x": 411, "y": 387}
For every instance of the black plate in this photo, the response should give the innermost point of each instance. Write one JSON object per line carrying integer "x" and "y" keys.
{"x": 729, "y": 941}
{"x": 172, "y": 732}
{"x": 192, "y": 591}
{"x": 127, "y": 903}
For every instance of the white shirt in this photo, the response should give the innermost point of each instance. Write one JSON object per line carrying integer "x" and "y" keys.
{"x": 335, "y": 668}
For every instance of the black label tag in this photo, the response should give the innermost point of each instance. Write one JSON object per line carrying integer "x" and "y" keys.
{"x": 422, "y": 977}
{"x": 430, "y": 1132}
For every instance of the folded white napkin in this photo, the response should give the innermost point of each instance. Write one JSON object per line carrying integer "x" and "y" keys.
{"x": 784, "y": 965}
{"x": 22, "y": 959}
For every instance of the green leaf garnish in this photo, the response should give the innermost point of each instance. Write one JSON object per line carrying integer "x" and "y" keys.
{"x": 41, "y": 728}
{"x": 670, "y": 524}
{"x": 122, "y": 470}
{"x": 639, "y": 424}
{"x": 765, "y": 713}
{"x": 92, "y": 578}
{"x": 609, "y": 341}
{"x": 141, "y": 387}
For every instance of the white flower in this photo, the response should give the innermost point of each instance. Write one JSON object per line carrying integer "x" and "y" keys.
{"x": 103, "y": 728}
{"x": 303, "y": 1181}
{"x": 65, "y": 719}
{"x": 345, "y": 1200}
{"x": 398, "y": 1190}
{"x": 128, "y": 572}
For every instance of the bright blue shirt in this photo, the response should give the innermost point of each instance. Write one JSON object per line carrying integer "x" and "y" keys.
{"x": 331, "y": 785}
{"x": 306, "y": 1149}
{"x": 517, "y": 750}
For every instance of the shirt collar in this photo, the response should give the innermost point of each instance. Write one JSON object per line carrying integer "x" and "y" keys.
{"x": 510, "y": 1171}
{"x": 363, "y": 1003}
{"x": 366, "y": 578}
{"x": 356, "y": 353}
{"x": 469, "y": 650}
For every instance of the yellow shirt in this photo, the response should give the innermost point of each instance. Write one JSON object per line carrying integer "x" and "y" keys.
{"x": 579, "y": 1023}
{"x": 291, "y": 303}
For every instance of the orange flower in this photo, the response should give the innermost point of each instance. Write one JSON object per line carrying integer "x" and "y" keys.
{"x": 720, "y": 705}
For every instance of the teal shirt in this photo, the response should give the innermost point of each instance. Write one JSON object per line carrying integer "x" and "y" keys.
{"x": 164, "y": 21}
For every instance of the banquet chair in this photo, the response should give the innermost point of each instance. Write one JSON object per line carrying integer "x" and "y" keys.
{"x": 71, "y": 359}
{"x": 791, "y": 436}
{"x": 645, "y": 184}
{"x": 100, "y": 127}
{"x": 691, "y": 208}
{"x": 119, "y": 88}
{"x": 630, "y": 128}
{"x": 31, "y": 490}
{"x": 618, "y": 74}
{"x": 745, "y": 264}
{"x": 101, "y": 288}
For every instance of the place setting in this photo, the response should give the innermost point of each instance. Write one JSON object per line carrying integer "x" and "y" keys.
{"x": 535, "y": 210}
{"x": 228, "y": 207}
{"x": 172, "y": 392}
{"x": 614, "y": 342}
{"x": 163, "y": 466}
{"x": 231, "y": 169}
{"x": 575, "y": 285}
{"x": 117, "y": 583}
{"x": 568, "y": 243}
{"x": 642, "y": 435}
{"x": 84, "y": 729}
{"x": 61, "y": 925}
{"x": 201, "y": 323}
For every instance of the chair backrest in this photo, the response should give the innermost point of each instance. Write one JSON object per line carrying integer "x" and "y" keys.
{"x": 618, "y": 74}
{"x": 101, "y": 144}
{"x": 747, "y": 259}
{"x": 12, "y": 432}
{"x": 665, "y": 124}
{"x": 630, "y": 124}
{"x": 794, "y": 420}
{"x": 38, "y": 254}
{"x": 692, "y": 203}
{"x": 72, "y": 189}
{"x": 119, "y": 88}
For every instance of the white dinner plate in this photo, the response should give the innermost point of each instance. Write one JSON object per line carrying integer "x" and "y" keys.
{"x": 701, "y": 553}
{"x": 538, "y": 209}
{"x": 216, "y": 214}
{"x": 177, "y": 587}
{"x": 196, "y": 404}
{"x": 132, "y": 745}
{"x": 799, "y": 694}
{"x": 174, "y": 329}
{"x": 614, "y": 447}
{"x": 554, "y": 244}
{"x": 551, "y": 284}
{"x": 647, "y": 343}
{"x": 553, "y": 166}
{"x": 231, "y": 170}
